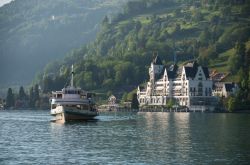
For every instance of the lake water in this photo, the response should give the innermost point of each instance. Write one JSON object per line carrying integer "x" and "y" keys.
{"x": 28, "y": 137}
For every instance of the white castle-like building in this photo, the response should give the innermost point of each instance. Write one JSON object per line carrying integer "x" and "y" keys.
{"x": 189, "y": 86}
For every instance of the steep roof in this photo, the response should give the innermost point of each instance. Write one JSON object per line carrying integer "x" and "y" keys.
{"x": 172, "y": 71}
{"x": 171, "y": 74}
{"x": 190, "y": 71}
{"x": 206, "y": 72}
{"x": 192, "y": 68}
{"x": 159, "y": 76}
{"x": 229, "y": 87}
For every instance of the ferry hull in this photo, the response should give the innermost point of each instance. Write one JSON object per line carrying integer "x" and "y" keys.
{"x": 74, "y": 115}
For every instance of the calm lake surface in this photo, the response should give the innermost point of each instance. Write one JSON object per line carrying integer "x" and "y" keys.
{"x": 28, "y": 137}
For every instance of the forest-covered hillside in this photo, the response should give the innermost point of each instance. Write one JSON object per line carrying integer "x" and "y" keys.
{"x": 211, "y": 31}
{"x": 35, "y": 32}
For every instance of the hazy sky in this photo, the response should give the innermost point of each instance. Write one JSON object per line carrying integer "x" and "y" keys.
{"x": 2, "y": 2}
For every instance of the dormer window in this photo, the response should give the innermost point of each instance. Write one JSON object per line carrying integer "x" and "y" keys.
{"x": 200, "y": 76}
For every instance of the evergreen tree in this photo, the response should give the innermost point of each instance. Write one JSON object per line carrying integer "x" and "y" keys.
{"x": 47, "y": 84}
{"x": 22, "y": 95}
{"x": 237, "y": 60}
{"x": 36, "y": 93}
{"x": 240, "y": 52}
{"x": 105, "y": 23}
{"x": 135, "y": 103}
{"x": 36, "y": 96}
{"x": 10, "y": 100}
{"x": 31, "y": 98}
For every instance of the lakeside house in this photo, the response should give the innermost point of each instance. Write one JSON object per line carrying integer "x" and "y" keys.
{"x": 111, "y": 106}
{"x": 222, "y": 88}
{"x": 189, "y": 86}
{"x": 225, "y": 89}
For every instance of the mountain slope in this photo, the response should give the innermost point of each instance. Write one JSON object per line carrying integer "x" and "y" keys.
{"x": 117, "y": 61}
{"x": 34, "y": 32}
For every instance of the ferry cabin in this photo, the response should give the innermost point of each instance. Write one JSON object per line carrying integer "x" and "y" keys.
{"x": 72, "y": 97}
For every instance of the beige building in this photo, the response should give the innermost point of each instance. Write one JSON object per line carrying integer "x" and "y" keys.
{"x": 224, "y": 89}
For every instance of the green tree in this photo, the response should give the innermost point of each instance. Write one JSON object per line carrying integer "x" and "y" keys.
{"x": 245, "y": 9}
{"x": 233, "y": 63}
{"x": 170, "y": 103}
{"x": 204, "y": 37}
{"x": 22, "y": 95}
{"x": 133, "y": 7}
{"x": 105, "y": 23}
{"x": 89, "y": 83}
{"x": 31, "y": 98}
{"x": 123, "y": 73}
{"x": 124, "y": 96}
{"x": 135, "y": 103}
{"x": 240, "y": 51}
{"x": 237, "y": 60}
{"x": 226, "y": 11}
{"x": 36, "y": 96}
{"x": 47, "y": 84}
{"x": 231, "y": 104}
{"x": 248, "y": 71}
{"x": 10, "y": 100}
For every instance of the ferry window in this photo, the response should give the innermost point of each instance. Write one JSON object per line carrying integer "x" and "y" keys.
{"x": 84, "y": 107}
{"x": 59, "y": 95}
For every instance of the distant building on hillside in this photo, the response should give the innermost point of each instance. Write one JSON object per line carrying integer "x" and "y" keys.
{"x": 225, "y": 89}
{"x": 189, "y": 86}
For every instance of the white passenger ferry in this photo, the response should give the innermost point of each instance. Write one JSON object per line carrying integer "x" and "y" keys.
{"x": 72, "y": 104}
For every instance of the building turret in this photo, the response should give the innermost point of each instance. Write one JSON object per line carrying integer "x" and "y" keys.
{"x": 156, "y": 67}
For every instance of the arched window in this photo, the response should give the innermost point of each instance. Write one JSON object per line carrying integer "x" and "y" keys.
{"x": 200, "y": 89}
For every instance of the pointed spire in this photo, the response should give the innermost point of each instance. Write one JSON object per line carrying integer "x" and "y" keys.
{"x": 165, "y": 71}
{"x": 72, "y": 76}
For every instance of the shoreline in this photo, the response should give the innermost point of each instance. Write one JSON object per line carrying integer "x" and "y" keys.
{"x": 143, "y": 110}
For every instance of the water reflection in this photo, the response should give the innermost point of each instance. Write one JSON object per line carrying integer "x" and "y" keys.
{"x": 182, "y": 138}
{"x": 143, "y": 138}
{"x": 166, "y": 134}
